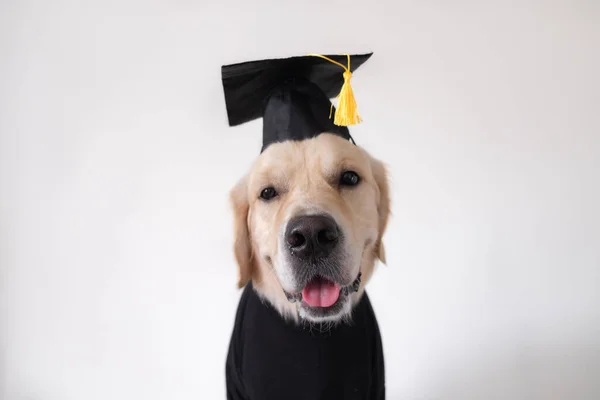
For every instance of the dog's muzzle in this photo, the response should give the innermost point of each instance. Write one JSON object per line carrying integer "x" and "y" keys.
{"x": 345, "y": 291}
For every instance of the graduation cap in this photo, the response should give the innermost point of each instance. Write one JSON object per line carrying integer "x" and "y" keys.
{"x": 292, "y": 95}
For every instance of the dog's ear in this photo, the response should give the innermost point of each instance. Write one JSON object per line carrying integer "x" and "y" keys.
{"x": 242, "y": 248}
{"x": 383, "y": 207}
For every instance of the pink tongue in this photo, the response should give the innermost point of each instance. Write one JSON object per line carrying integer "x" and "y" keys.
{"x": 321, "y": 293}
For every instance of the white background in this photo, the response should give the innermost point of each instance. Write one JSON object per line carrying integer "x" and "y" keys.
{"x": 117, "y": 277}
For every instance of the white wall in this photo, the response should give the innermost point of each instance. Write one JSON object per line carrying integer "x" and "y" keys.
{"x": 117, "y": 280}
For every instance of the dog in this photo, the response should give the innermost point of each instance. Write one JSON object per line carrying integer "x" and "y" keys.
{"x": 309, "y": 221}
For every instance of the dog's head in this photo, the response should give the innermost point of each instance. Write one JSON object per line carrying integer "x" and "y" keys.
{"x": 309, "y": 221}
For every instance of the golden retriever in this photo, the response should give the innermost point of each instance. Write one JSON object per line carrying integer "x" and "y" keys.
{"x": 309, "y": 219}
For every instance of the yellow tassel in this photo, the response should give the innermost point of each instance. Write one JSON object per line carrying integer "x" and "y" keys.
{"x": 346, "y": 112}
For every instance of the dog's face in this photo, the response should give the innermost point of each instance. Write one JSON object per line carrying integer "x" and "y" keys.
{"x": 309, "y": 220}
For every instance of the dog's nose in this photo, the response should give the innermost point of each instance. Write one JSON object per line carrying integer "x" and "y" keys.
{"x": 313, "y": 235}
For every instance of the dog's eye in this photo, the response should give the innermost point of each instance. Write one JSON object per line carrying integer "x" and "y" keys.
{"x": 349, "y": 178}
{"x": 268, "y": 193}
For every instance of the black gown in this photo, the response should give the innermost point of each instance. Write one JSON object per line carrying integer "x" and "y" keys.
{"x": 271, "y": 359}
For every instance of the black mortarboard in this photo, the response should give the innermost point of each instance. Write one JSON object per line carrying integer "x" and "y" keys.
{"x": 292, "y": 95}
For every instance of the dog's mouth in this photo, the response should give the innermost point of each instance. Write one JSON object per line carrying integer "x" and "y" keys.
{"x": 322, "y": 293}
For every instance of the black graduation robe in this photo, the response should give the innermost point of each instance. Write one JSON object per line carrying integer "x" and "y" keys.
{"x": 271, "y": 359}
